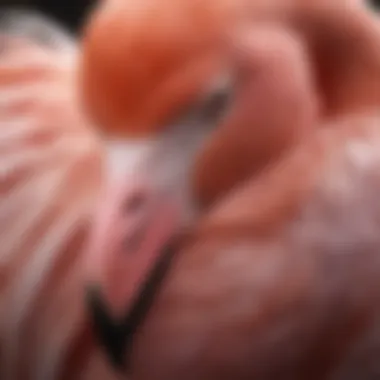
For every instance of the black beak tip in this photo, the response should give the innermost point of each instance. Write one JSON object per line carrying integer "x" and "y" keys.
{"x": 110, "y": 333}
{"x": 116, "y": 336}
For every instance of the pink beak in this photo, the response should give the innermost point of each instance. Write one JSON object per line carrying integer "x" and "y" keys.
{"x": 125, "y": 257}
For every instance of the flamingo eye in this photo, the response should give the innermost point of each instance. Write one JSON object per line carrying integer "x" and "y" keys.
{"x": 214, "y": 104}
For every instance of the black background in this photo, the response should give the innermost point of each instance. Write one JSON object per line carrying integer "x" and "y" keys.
{"x": 70, "y": 13}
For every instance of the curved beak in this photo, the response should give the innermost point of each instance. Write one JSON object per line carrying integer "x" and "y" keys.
{"x": 126, "y": 259}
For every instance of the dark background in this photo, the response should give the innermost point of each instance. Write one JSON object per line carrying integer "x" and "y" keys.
{"x": 70, "y": 13}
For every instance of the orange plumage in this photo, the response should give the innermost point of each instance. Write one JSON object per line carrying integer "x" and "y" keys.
{"x": 143, "y": 62}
